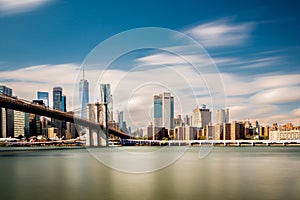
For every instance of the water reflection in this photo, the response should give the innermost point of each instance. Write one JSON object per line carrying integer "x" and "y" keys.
{"x": 227, "y": 173}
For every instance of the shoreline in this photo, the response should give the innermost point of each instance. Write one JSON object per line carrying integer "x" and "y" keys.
{"x": 49, "y": 148}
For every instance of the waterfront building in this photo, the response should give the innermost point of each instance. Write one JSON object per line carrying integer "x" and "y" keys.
{"x": 160, "y": 133}
{"x": 163, "y": 110}
{"x": 201, "y": 117}
{"x": 187, "y": 120}
{"x": 6, "y": 116}
{"x": 71, "y": 131}
{"x": 44, "y": 96}
{"x": 53, "y": 133}
{"x": 218, "y": 132}
{"x": 190, "y": 132}
{"x": 27, "y": 127}
{"x": 19, "y": 123}
{"x": 35, "y": 127}
{"x": 226, "y": 131}
{"x": 150, "y": 131}
{"x": 179, "y": 133}
{"x": 249, "y": 130}
{"x": 284, "y": 135}
{"x": 209, "y": 132}
{"x": 237, "y": 130}
{"x": 178, "y": 121}
{"x": 185, "y": 132}
{"x": 222, "y": 116}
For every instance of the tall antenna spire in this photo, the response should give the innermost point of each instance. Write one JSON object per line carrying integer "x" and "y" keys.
{"x": 83, "y": 73}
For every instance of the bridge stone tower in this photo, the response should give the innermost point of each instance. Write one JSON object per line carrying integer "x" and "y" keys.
{"x": 95, "y": 137}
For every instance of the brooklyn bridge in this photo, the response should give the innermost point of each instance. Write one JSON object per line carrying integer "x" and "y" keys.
{"x": 95, "y": 129}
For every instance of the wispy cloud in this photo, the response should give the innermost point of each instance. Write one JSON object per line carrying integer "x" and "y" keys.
{"x": 10, "y": 7}
{"x": 221, "y": 33}
{"x": 248, "y": 97}
{"x": 26, "y": 81}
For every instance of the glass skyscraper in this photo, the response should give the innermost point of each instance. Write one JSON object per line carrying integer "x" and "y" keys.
{"x": 43, "y": 96}
{"x": 57, "y": 105}
{"x": 120, "y": 119}
{"x": 5, "y": 90}
{"x": 106, "y": 97}
{"x": 57, "y": 98}
{"x": 163, "y": 110}
{"x": 64, "y": 103}
{"x": 83, "y": 96}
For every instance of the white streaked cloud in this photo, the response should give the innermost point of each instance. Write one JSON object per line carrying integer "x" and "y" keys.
{"x": 254, "y": 98}
{"x": 25, "y": 82}
{"x": 10, "y": 7}
{"x": 276, "y": 96}
{"x": 221, "y": 33}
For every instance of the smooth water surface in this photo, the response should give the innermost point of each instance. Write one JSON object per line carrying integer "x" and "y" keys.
{"x": 226, "y": 173}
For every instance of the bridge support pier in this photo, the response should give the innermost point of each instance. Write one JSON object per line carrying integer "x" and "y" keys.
{"x": 95, "y": 138}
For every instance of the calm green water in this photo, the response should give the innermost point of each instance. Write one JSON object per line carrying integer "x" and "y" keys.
{"x": 226, "y": 173}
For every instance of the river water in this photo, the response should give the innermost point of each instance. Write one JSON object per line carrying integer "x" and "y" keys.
{"x": 225, "y": 173}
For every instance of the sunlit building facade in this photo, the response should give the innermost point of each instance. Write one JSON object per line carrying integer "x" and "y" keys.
{"x": 163, "y": 111}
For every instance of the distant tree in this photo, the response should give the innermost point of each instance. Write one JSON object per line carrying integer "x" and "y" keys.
{"x": 201, "y": 137}
{"x": 20, "y": 137}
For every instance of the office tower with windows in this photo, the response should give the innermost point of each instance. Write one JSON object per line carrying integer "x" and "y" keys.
{"x": 43, "y": 96}
{"x": 19, "y": 123}
{"x": 106, "y": 98}
{"x": 57, "y": 105}
{"x": 83, "y": 95}
{"x": 120, "y": 119}
{"x": 222, "y": 116}
{"x": 64, "y": 103}
{"x": 163, "y": 111}
{"x": 201, "y": 117}
{"x": 57, "y": 98}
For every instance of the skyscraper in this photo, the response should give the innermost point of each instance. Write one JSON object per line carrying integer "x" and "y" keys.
{"x": 6, "y": 116}
{"x": 120, "y": 119}
{"x": 163, "y": 111}
{"x": 19, "y": 123}
{"x": 64, "y": 103}
{"x": 222, "y": 116}
{"x": 106, "y": 98}
{"x": 57, "y": 104}
{"x": 43, "y": 96}
{"x": 57, "y": 98}
{"x": 64, "y": 109}
{"x": 201, "y": 117}
{"x": 83, "y": 95}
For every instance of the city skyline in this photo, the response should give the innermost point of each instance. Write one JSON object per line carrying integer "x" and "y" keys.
{"x": 256, "y": 63}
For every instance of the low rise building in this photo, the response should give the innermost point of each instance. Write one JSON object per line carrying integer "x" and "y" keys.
{"x": 284, "y": 135}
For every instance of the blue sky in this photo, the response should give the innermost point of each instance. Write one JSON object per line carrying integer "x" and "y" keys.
{"x": 255, "y": 45}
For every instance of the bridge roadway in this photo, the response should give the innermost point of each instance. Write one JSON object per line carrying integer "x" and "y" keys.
{"x": 29, "y": 107}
